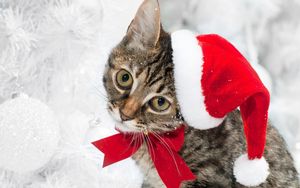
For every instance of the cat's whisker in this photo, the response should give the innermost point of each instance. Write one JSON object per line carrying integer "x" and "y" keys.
{"x": 101, "y": 94}
{"x": 151, "y": 147}
{"x": 147, "y": 140}
{"x": 132, "y": 140}
{"x": 169, "y": 149}
{"x": 137, "y": 140}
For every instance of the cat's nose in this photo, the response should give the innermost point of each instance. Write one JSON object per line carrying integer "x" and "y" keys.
{"x": 129, "y": 109}
{"x": 125, "y": 117}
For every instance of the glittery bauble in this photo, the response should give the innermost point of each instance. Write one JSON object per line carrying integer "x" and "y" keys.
{"x": 29, "y": 134}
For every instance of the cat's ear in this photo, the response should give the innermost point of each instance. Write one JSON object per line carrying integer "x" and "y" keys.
{"x": 144, "y": 30}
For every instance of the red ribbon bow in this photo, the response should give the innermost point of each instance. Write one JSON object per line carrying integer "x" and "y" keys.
{"x": 170, "y": 166}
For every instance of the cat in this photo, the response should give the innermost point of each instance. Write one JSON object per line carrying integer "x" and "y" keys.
{"x": 139, "y": 81}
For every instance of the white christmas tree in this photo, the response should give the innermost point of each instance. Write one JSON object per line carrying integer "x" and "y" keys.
{"x": 55, "y": 50}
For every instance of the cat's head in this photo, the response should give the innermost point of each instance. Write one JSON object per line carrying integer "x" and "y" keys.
{"x": 139, "y": 76}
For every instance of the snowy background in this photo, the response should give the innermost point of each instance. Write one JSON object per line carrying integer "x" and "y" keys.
{"x": 55, "y": 51}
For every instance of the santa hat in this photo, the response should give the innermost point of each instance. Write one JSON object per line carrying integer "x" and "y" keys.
{"x": 212, "y": 79}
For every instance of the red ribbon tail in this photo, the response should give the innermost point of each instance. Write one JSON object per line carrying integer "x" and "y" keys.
{"x": 116, "y": 148}
{"x": 171, "y": 167}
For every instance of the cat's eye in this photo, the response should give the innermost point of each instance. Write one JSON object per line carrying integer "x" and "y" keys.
{"x": 124, "y": 79}
{"x": 159, "y": 104}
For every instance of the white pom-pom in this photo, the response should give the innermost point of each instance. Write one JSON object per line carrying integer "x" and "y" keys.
{"x": 29, "y": 134}
{"x": 250, "y": 172}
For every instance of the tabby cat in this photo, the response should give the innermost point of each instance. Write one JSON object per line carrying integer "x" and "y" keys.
{"x": 139, "y": 81}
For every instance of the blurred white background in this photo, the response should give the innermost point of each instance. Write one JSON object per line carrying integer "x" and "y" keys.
{"x": 55, "y": 51}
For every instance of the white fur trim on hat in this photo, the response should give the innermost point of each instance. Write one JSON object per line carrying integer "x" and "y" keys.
{"x": 187, "y": 59}
{"x": 250, "y": 172}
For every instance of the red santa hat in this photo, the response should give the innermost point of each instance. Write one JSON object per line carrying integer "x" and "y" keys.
{"x": 212, "y": 79}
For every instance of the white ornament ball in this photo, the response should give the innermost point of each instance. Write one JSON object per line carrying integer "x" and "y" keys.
{"x": 29, "y": 134}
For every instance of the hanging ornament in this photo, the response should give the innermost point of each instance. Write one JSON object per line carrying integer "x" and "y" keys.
{"x": 29, "y": 134}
